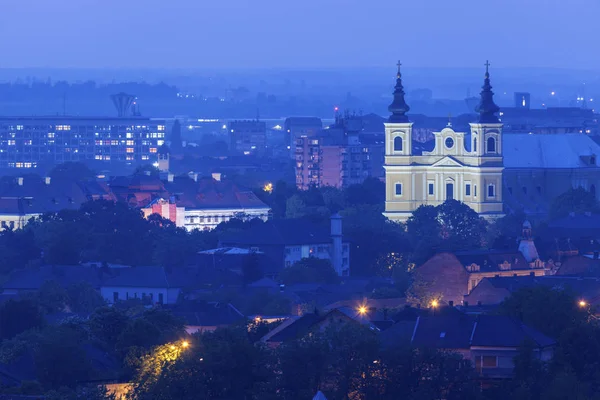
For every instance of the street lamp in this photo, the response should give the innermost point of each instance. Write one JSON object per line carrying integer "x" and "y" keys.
{"x": 185, "y": 344}
{"x": 582, "y": 303}
{"x": 362, "y": 310}
{"x": 434, "y": 304}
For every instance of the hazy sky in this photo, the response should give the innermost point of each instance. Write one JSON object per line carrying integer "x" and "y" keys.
{"x": 298, "y": 33}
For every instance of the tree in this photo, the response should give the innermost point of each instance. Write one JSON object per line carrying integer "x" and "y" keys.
{"x": 83, "y": 298}
{"x": 92, "y": 392}
{"x": 295, "y": 207}
{"x": 309, "y": 270}
{"x": 107, "y": 324}
{"x": 251, "y": 269}
{"x": 575, "y": 200}
{"x": 17, "y": 316}
{"x": 60, "y": 360}
{"x": 216, "y": 365}
{"x": 52, "y": 297}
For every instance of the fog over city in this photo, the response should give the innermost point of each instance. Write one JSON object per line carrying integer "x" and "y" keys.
{"x": 278, "y": 200}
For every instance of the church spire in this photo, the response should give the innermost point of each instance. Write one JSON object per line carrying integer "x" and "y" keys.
{"x": 399, "y": 108}
{"x": 486, "y": 108}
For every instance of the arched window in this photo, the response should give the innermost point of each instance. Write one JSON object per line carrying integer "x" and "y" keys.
{"x": 474, "y": 149}
{"x": 398, "y": 143}
{"x": 491, "y": 145}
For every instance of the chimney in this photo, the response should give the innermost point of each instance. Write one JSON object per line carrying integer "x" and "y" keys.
{"x": 47, "y": 180}
{"x": 170, "y": 177}
{"x": 216, "y": 176}
{"x": 337, "y": 248}
{"x": 20, "y": 181}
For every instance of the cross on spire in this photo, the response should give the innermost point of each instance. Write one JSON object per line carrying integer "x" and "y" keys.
{"x": 399, "y": 64}
{"x": 487, "y": 66}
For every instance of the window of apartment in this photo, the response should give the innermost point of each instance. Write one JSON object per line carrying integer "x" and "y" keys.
{"x": 491, "y": 190}
{"x": 468, "y": 189}
{"x": 398, "y": 189}
{"x": 430, "y": 188}
{"x": 489, "y": 361}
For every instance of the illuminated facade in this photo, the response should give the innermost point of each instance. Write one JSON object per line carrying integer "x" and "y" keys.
{"x": 453, "y": 170}
{"x": 26, "y": 142}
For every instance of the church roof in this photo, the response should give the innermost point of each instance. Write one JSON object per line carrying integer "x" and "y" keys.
{"x": 562, "y": 150}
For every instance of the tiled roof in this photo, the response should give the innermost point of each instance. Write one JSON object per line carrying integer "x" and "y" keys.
{"x": 464, "y": 331}
{"x": 488, "y": 260}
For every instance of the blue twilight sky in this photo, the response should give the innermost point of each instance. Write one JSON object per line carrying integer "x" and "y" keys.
{"x": 298, "y": 33}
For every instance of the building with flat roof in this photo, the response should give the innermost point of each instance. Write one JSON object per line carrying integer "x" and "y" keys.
{"x": 26, "y": 142}
{"x": 248, "y": 137}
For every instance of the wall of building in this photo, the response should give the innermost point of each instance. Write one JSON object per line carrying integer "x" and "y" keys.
{"x": 444, "y": 276}
{"x": 170, "y": 296}
{"x": 208, "y": 219}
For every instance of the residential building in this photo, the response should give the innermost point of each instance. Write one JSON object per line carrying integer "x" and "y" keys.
{"x": 493, "y": 291}
{"x": 26, "y": 142}
{"x": 299, "y": 326}
{"x": 450, "y": 277}
{"x": 248, "y": 137}
{"x": 285, "y": 242}
{"x": 489, "y": 342}
{"x": 336, "y": 157}
{"x": 24, "y": 198}
{"x": 299, "y": 127}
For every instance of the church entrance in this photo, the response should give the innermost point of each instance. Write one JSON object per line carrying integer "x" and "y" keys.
{"x": 449, "y": 191}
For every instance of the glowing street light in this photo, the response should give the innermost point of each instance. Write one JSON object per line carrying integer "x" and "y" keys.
{"x": 434, "y": 303}
{"x": 268, "y": 187}
{"x": 582, "y": 303}
{"x": 185, "y": 344}
{"x": 362, "y": 310}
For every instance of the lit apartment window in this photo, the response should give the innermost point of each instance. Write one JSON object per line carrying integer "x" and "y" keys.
{"x": 129, "y": 157}
{"x": 152, "y": 149}
{"x": 19, "y": 127}
{"x": 130, "y": 149}
{"x": 11, "y": 142}
{"x": 145, "y": 157}
{"x": 51, "y": 134}
{"x": 161, "y": 127}
{"x": 130, "y": 143}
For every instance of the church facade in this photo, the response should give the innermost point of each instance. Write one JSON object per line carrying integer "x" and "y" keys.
{"x": 469, "y": 172}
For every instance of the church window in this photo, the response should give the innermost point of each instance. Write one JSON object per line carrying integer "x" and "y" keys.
{"x": 449, "y": 142}
{"x": 474, "y": 145}
{"x": 491, "y": 145}
{"x": 398, "y": 143}
{"x": 398, "y": 189}
{"x": 468, "y": 189}
{"x": 491, "y": 190}
{"x": 430, "y": 188}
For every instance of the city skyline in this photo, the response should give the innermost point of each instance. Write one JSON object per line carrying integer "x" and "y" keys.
{"x": 329, "y": 34}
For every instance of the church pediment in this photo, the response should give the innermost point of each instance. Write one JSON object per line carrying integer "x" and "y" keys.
{"x": 447, "y": 162}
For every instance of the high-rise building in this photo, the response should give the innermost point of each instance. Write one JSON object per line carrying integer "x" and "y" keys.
{"x": 298, "y": 127}
{"x": 248, "y": 137}
{"x": 26, "y": 142}
{"x": 336, "y": 157}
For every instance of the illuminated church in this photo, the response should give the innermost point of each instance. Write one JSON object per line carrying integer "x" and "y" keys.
{"x": 490, "y": 171}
